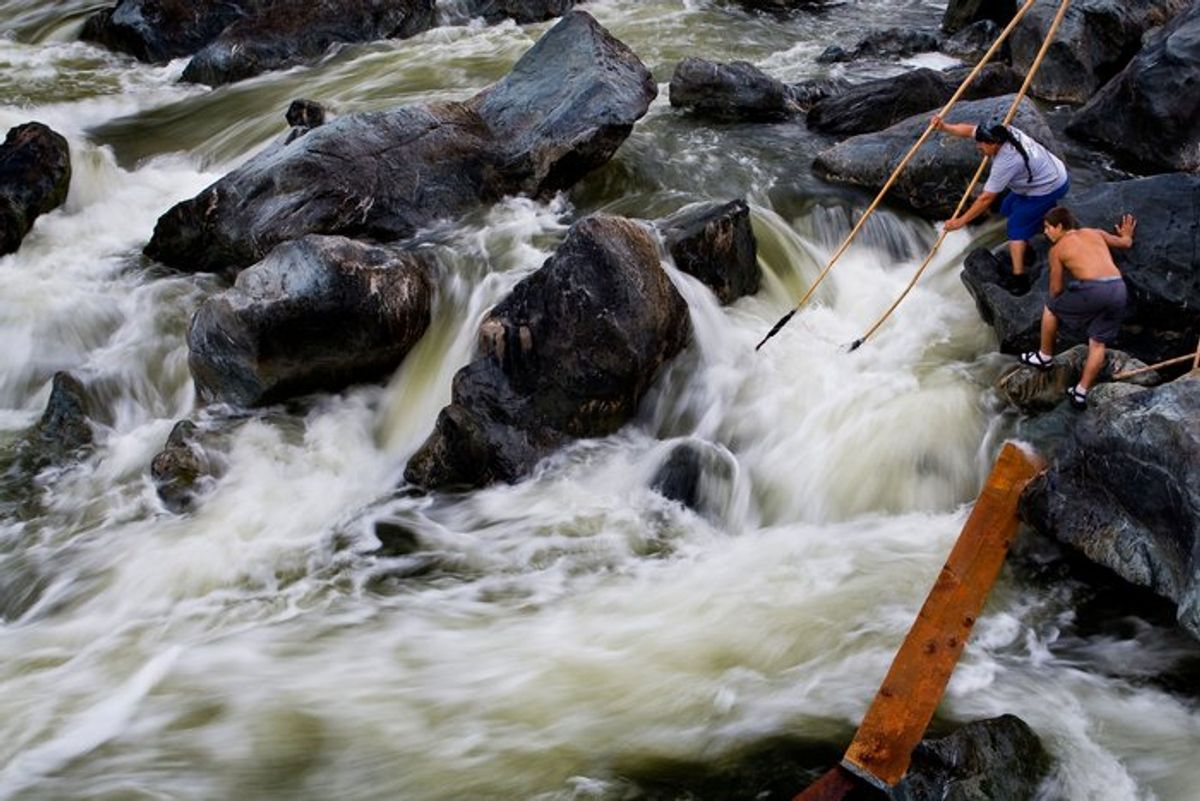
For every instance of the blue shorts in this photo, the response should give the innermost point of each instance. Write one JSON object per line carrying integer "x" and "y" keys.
{"x": 1025, "y": 212}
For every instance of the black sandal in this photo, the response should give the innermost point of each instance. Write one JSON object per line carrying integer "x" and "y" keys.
{"x": 1034, "y": 358}
{"x": 1077, "y": 399}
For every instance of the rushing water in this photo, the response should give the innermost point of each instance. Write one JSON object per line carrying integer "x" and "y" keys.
{"x": 570, "y": 637}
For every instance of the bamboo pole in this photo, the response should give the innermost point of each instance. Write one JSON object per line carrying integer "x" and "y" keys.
{"x": 1150, "y": 368}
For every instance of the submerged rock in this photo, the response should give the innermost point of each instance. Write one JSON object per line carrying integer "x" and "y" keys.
{"x": 35, "y": 173}
{"x": 561, "y": 112}
{"x": 568, "y": 354}
{"x": 1096, "y": 40}
{"x": 1125, "y": 491}
{"x": 181, "y": 468}
{"x": 520, "y": 11}
{"x": 715, "y": 243}
{"x": 939, "y": 172}
{"x": 65, "y": 427}
{"x": 972, "y": 42}
{"x": 1149, "y": 115}
{"x": 290, "y": 32}
{"x": 319, "y": 313}
{"x": 890, "y": 43}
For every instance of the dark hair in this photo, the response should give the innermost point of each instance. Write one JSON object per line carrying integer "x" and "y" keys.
{"x": 999, "y": 134}
{"x": 1062, "y": 216}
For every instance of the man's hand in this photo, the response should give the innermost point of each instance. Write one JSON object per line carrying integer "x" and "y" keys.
{"x": 1126, "y": 227}
{"x": 938, "y": 123}
{"x": 954, "y": 223}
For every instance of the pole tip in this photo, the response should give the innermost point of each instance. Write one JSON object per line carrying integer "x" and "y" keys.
{"x": 855, "y": 345}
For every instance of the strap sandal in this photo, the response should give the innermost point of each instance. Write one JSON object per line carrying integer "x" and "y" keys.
{"x": 1035, "y": 359}
{"x": 1077, "y": 399}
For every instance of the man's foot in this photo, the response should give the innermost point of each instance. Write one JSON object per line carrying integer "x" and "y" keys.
{"x": 1035, "y": 358}
{"x": 1077, "y": 397}
{"x": 1016, "y": 283}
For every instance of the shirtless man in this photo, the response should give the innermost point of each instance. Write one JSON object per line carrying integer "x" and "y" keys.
{"x": 1092, "y": 302}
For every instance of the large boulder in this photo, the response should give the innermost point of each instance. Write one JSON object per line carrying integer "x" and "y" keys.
{"x": 160, "y": 30}
{"x": 319, "y": 313}
{"x": 1125, "y": 491}
{"x": 734, "y": 91}
{"x": 564, "y": 109}
{"x": 570, "y": 353}
{"x": 35, "y": 172}
{"x": 1160, "y": 270}
{"x": 939, "y": 172}
{"x": 876, "y": 104}
{"x": 1149, "y": 115}
{"x": 1032, "y": 390}
{"x": 962, "y": 13}
{"x": 1096, "y": 40}
{"x": 1000, "y": 759}
{"x": 290, "y": 32}
{"x": 715, "y": 243}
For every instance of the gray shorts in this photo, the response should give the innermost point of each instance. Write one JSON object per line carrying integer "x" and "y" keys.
{"x": 1094, "y": 308}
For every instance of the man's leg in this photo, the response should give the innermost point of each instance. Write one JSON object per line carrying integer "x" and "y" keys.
{"x": 1016, "y": 249}
{"x": 1049, "y": 331}
{"x": 1093, "y": 365}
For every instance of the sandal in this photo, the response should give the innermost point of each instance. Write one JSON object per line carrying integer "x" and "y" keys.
{"x": 1077, "y": 399}
{"x": 1034, "y": 358}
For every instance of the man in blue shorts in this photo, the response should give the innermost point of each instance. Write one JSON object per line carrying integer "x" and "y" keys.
{"x": 1035, "y": 178}
{"x": 1092, "y": 303}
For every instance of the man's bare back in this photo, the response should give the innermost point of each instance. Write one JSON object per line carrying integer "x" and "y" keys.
{"x": 1084, "y": 252}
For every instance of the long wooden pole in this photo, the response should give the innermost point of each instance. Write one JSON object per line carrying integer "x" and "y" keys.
{"x": 1012, "y": 112}
{"x": 896, "y": 721}
{"x": 1169, "y": 362}
{"x": 987, "y": 56}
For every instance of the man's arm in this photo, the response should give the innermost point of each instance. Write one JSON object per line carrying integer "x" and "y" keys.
{"x": 1124, "y": 237}
{"x": 962, "y": 129}
{"x": 980, "y": 205}
{"x": 1056, "y": 273}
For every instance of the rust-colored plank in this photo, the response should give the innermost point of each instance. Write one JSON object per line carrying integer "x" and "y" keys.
{"x": 897, "y": 718}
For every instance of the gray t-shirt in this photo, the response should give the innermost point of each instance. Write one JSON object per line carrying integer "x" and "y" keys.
{"x": 1008, "y": 169}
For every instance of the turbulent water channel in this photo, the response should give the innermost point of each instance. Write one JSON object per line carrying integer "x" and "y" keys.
{"x": 575, "y": 636}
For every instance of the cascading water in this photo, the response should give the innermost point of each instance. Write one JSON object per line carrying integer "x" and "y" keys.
{"x": 569, "y": 637}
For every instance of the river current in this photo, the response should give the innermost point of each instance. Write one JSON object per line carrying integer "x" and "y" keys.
{"x": 574, "y": 636}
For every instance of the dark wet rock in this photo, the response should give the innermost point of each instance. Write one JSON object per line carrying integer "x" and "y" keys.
{"x": 1000, "y": 759}
{"x": 319, "y": 313}
{"x": 1125, "y": 491}
{"x": 160, "y": 30}
{"x": 807, "y": 93}
{"x": 35, "y": 172}
{"x": 678, "y": 477}
{"x": 972, "y": 42}
{"x": 890, "y": 43}
{"x": 1096, "y": 40}
{"x": 305, "y": 114}
{"x": 521, "y": 11}
{"x": 1159, "y": 270}
{"x": 876, "y": 104}
{"x": 395, "y": 538}
{"x": 290, "y": 32}
{"x": 561, "y": 112}
{"x": 781, "y": 5}
{"x": 1033, "y": 390}
{"x": 961, "y": 14}
{"x": 65, "y": 428}
{"x": 938, "y": 174}
{"x": 734, "y": 91}
{"x": 1149, "y": 115}
{"x": 182, "y": 468}
{"x": 568, "y": 354}
{"x": 715, "y": 243}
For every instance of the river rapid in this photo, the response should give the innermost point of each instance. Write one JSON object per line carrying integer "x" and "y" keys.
{"x": 574, "y": 636}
